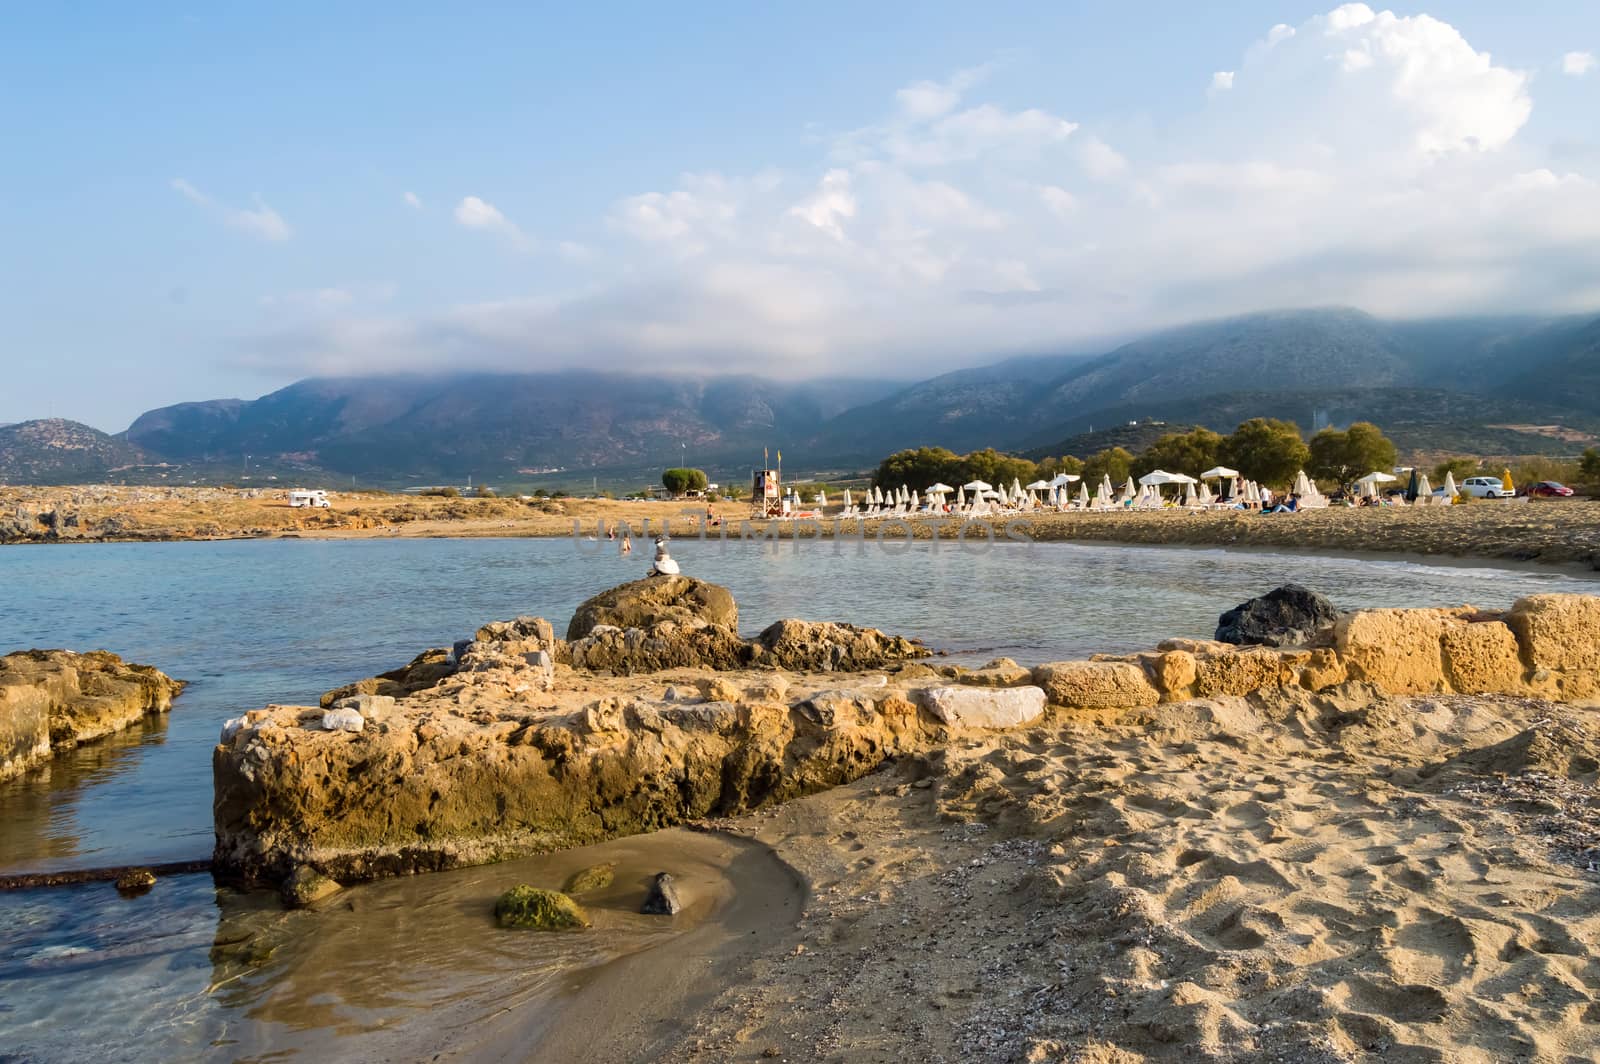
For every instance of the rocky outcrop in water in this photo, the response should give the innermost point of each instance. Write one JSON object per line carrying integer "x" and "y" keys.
{"x": 52, "y": 700}
{"x": 527, "y": 754}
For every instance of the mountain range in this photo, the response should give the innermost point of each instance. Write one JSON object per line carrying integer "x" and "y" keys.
{"x": 1506, "y": 385}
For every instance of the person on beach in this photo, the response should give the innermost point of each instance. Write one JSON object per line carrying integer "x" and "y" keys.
{"x": 627, "y": 544}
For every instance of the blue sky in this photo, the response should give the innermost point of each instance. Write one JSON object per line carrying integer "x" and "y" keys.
{"x": 200, "y": 202}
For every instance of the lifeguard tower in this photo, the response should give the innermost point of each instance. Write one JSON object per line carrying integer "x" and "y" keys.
{"x": 766, "y": 497}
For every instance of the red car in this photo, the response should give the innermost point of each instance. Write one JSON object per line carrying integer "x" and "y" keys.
{"x": 1548, "y": 489}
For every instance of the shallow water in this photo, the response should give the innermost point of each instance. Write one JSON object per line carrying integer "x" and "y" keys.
{"x": 249, "y": 623}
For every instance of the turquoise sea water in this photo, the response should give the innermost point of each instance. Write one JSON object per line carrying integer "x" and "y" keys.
{"x": 249, "y": 623}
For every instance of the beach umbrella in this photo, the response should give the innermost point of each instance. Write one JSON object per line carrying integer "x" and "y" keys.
{"x": 1505, "y": 481}
{"x": 1205, "y": 494}
{"x": 822, "y": 497}
{"x": 1061, "y": 480}
{"x": 961, "y": 497}
{"x": 1016, "y": 487}
{"x": 1424, "y": 489}
{"x": 914, "y": 500}
{"x": 1450, "y": 489}
{"x": 940, "y": 489}
{"x": 1155, "y": 476}
{"x": 1188, "y": 493}
{"x": 1219, "y": 473}
{"x": 1302, "y": 486}
{"x": 1042, "y": 485}
{"x": 978, "y": 485}
{"x": 1411, "y": 487}
{"x": 847, "y": 503}
{"x": 1083, "y": 494}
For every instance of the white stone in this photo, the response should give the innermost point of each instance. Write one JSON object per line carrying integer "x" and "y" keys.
{"x": 984, "y": 707}
{"x": 343, "y": 720}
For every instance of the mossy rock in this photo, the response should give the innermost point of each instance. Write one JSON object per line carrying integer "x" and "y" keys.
{"x": 595, "y": 877}
{"x": 538, "y": 910}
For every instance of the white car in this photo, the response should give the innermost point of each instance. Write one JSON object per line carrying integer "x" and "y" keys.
{"x": 1485, "y": 488}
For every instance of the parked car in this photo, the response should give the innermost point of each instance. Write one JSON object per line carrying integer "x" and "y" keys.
{"x": 1484, "y": 488}
{"x": 1547, "y": 489}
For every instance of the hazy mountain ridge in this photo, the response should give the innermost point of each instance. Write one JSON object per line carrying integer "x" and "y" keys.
{"x": 1434, "y": 384}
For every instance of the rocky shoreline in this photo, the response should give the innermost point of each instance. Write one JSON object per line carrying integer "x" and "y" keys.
{"x": 54, "y": 700}
{"x": 516, "y": 742}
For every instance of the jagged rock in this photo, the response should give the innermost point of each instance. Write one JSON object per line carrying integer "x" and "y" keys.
{"x": 533, "y": 909}
{"x": 1287, "y": 616}
{"x": 1096, "y": 684}
{"x": 1001, "y": 672}
{"x": 306, "y": 886}
{"x": 346, "y": 720}
{"x": 667, "y": 645}
{"x": 135, "y": 881}
{"x": 593, "y": 878}
{"x": 985, "y": 707}
{"x": 1558, "y": 631}
{"x": 823, "y": 646}
{"x": 649, "y": 602}
{"x": 424, "y": 671}
{"x": 53, "y": 700}
{"x": 663, "y": 899}
{"x": 1238, "y": 671}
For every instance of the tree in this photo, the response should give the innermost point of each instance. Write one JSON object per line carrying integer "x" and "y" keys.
{"x": 1589, "y": 467}
{"x": 1051, "y": 467}
{"x": 1113, "y": 462}
{"x": 992, "y": 467}
{"x": 679, "y": 481}
{"x": 733, "y": 491}
{"x": 1343, "y": 456}
{"x": 1460, "y": 468}
{"x": 917, "y": 468}
{"x": 1266, "y": 450}
{"x": 1191, "y": 453}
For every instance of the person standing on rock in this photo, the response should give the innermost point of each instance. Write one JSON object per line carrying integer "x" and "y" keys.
{"x": 663, "y": 565}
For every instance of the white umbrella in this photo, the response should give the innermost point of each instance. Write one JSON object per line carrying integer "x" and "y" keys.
{"x": 1216, "y": 472}
{"x": 1424, "y": 489}
{"x": 1105, "y": 484}
{"x": 1083, "y": 494}
{"x": 1016, "y": 487}
{"x": 914, "y": 500}
{"x": 940, "y": 489}
{"x": 1449, "y": 487}
{"x": 1188, "y": 493}
{"x": 1302, "y": 486}
{"x": 1041, "y": 485}
{"x": 978, "y": 485}
{"x": 1129, "y": 490}
{"x": 1155, "y": 476}
{"x": 1377, "y": 478}
{"x": 1205, "y": 494}
{"x": 1061, "y": 480}
{"x": 822, "y": 497}
{"x": 847, "y": 502}
{"x": 961, "y": 497}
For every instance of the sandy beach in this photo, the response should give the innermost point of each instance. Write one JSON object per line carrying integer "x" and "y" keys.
{"x": 1562, "y": 532}
{"x": 1311, "y": 880}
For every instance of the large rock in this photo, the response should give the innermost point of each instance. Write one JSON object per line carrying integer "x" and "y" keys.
{"x": 1240, "y": 671}
{"x": 653, "y": 600}
{"x": 1481, "y": 658}
{"x": 822, "y": 646}
{"x": 1096, "y": 684}
{"x": 424, "y": 671}
{"x": 666, "y": 645}
{"x": 1397, "y": 651}
{"x": 53, "y": 700}
{"x": 1559, "y": 632}
{"x": 985, "y": 707}
{"x": 1288, "y": 616}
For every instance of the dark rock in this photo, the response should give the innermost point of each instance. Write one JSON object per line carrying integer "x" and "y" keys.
{"x": 654, "y": 600}
{"x": 135, "y": 881}
{"x": 1288, "y": 616}
{"x": 663, "y": 899}
{"x": 822, "y": 646}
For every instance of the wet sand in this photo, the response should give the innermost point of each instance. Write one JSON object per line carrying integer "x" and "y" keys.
{"x": 416, "y": 968}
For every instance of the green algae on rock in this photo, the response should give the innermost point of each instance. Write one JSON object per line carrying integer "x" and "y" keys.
{"x": 533, "y": 909}
{"x": 593, "y": 878}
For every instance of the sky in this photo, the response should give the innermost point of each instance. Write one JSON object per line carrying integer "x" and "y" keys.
{"x": 206, "y": 201}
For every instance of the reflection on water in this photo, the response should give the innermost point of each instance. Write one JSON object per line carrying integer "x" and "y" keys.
{"x": 249, "y": 623}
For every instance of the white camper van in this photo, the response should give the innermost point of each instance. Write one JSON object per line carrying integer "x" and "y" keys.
{"x": 317, "y": 499}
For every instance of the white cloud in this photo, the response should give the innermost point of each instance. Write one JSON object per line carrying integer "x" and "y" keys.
{"x": 1100, "y": 160}
{"x": 475, "y": 213}
{"x": 1222, "y": 81}
{"x": 260, "y": 221}
{"x": 1577, "y": 64}
{"x": 831, "y": 206}
{"x": 1358, "y": 157}
{"x": 412, "y": 200}
{"x": 1058, "y": 201}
